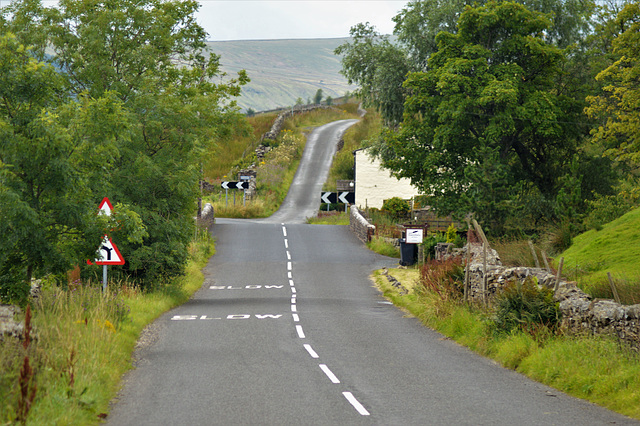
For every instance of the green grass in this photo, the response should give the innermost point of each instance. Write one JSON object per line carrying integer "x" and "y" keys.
{"x": 329, "y": 218}
{"x": 381, "y": 246}
{"x": 84, "y": 344}
{"x": 609, "y": 376}
{"x": 615, "y": 248}
{"x": 227, "y": 151}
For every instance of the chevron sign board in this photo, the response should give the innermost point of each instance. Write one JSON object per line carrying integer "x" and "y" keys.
{"x": 337, "y": 197}
{"x": 235, "y": 185}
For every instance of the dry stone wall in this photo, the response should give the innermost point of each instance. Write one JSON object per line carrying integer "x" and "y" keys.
{"x": 207, "y": 217}
{"x": 580, "y": 313}
{"x": 360, "y": 226}
{"x": 276, "y": 128}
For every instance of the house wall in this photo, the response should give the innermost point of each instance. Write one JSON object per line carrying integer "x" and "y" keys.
{"x": 375, "y": 184}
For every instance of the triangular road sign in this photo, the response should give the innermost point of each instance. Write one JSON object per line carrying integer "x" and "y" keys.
{"x": 105, "y": 207}
{"x": 109, "y": 253}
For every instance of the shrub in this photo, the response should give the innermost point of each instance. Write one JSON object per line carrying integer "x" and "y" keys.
{"x": 430, "y": 242}
{"x": 525, "y": 306}
{"x": 396, "y": 207}
{"x": 444, "y": 278}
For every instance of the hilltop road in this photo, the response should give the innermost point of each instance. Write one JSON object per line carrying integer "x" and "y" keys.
{"x": 289, "y": 330}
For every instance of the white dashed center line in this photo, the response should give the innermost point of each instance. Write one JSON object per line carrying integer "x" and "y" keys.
{"x": 329, "y": 374}
{"x": 311, "y": 351}
{"x": 356, "y": 404}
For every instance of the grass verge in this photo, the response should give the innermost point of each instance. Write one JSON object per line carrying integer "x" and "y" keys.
{"x": 329, "y": 218}
{"x": 83, "y": 344}
{"x": 609, "y": 376}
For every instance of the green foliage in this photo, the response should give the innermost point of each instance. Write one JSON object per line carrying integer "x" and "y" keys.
{"x": 379, "y": 67}
{"x": 396, "y": 207}
{"x": 128, "y": 118}
{"x": 615, "y": 107}
{"x": 430, "y": 242}
{"x": 452, "y": 235}
{"x": 329, "y": 218}
{"x": 525, "y": 307}
{"x": 317, "y": 98}
{"x": 486, "y": 117}
{"x": 381, "y": 246}
{"x": 606, "y": 208}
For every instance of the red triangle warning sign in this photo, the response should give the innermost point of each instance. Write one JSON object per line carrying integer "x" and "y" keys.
{"x": 109, "y": 253}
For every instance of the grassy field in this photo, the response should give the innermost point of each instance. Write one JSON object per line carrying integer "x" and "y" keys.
{"x": 597, "y": 369}
{"x": 615, "y": 249}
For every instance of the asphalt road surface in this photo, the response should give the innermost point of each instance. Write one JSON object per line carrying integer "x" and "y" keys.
{"x": 288, "y": 329}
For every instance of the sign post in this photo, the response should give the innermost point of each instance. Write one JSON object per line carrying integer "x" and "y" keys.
{"x": 108, "y": 252}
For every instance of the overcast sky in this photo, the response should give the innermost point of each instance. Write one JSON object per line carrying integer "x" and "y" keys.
{"x": 266, "y": 19}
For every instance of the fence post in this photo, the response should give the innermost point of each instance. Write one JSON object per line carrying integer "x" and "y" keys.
{"x": 533, "y": 252}
{"x": 546, "y": 262}
{"x": 613, "y": 288}
{"x": 555, "y": 287}
{"x": 466, "y": 269}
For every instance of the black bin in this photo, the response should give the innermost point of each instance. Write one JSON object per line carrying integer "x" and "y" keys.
{"x": 408, "y": 253}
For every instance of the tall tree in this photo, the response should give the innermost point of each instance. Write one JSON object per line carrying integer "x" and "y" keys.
{"x": 47, "y": 210}
{"x": 147, "y": 61}
{"x": 616, "y": 107}
{"x": 488, "y": 117}
{"x": 379, "y": 67}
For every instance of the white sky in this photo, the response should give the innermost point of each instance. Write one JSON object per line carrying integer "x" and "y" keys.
{"x": 266, "y": 19}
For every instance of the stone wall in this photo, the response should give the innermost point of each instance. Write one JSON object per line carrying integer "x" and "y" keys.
{"x": 276, "y": 128}
{"x": 580, "y": 313}
{"x": 9, "y": 327}
{"x": 360, "y": 226}
{"x": 206, "y": 218}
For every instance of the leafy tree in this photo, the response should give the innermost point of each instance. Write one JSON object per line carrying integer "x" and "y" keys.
{"x": 378, "y": 67}
{"x": 420, "y": 21}
{"x": 140, "y": 85}
{"x": 616, "y": 107}
{"x": 318, "y": 97}
{"x": 488, "y": 116}
{"x": 47, "y": 210}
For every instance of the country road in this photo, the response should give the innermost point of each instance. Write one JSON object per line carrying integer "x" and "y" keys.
{"x": 288, "y": 329}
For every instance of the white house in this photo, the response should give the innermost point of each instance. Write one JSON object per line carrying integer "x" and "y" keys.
{"x": 373, "y": 184}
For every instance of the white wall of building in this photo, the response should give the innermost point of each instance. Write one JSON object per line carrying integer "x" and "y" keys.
{"x": 375, "y": 184}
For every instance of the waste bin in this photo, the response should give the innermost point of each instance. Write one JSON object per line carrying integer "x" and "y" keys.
{"x": 408, "y": 253}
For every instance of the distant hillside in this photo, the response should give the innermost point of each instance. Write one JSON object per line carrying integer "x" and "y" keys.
{"x": 282, "y": 71}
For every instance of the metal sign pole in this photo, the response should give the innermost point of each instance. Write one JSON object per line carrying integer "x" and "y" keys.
{"x": 104, "y": 278}
{"x": 226, "y": 197}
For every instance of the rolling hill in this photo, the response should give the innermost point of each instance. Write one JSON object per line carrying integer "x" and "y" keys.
{"x": 282, "y": 71}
